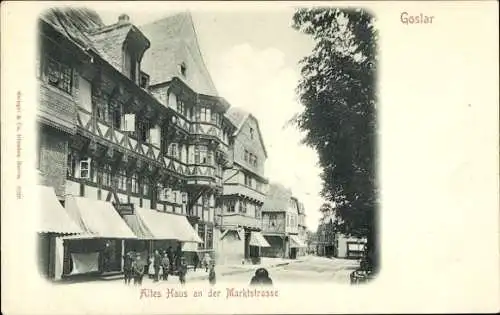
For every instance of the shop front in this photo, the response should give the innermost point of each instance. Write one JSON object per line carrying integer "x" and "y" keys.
{"x": 159, "y": 231}
{"x": 256, "y": 242}
{"x": 295, "y": 244}
{"x": 100, "y": 250}
{"x": 54, "y": 222}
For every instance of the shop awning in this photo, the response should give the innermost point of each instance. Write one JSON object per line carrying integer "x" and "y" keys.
{"x": 97, "y": 218}
{"x": 53, "y": 216}
{"x": 152, "y": 224}
{"x": 296, "y": 242}
{"x": 257, "y": 239}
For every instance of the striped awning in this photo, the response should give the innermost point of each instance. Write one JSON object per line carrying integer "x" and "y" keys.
{"x": 296, "y": 242}
{"x": 53, "y": 216}
{"x": 257, "y": 239}
{"x": 155, "y": 225}
{"x": 97, "y": 218}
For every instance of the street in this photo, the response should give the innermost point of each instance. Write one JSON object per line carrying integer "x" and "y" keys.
{"x": 303, "y": 270}
{"x": 310, "y": 269}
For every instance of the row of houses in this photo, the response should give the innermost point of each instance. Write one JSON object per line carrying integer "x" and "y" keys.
{"x": 329, "y": 241}
{"x": 137, "y": 151}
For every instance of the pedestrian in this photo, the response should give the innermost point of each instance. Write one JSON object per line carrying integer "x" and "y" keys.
{"x": 150, "y": 267}
{"x": 170, "y": 255}
{"x": 196, "y": 261}
{"x": 127, "y": 267}
{"x": 261, "y": 277}
{"x": 178, "y": 256}
{"x": 138, "y": 269}
{"x": 182, "y": 270}
{"x": 206, "y": 261}
{"x": 211, "y": 275}
{"x": 156, "y": 265}
{"x": 165, "y": 263}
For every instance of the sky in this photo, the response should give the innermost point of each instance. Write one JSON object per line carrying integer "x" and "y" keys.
{"x": 253, "y": 57}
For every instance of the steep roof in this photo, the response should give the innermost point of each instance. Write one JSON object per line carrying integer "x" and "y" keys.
{"x": 85, "y": 28}
{"x": 237, "y": 116}
{"x": 74, "y": 23}
{"x": 277, "y": 199}
{"x": 173, "y": 42}
{"x": 109, "y": 41}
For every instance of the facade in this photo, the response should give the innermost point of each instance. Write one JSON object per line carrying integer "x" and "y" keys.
{"x": 331, "y": 242}
{"x": 280, "y": 223}
{"x": 303, "y": 236}
{"x": 244, "y": 186}
{"x": 130, "y": 125}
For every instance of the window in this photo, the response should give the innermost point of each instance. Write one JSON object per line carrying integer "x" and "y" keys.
{"x": 216, "y": 118}
{"x": 254, "y": 160}
{"x": 85, "y": 164}
{"x": 200, "y": 154}
{"x": 58, "y": 74}
{"x": 71, "y": 167}
{"x": 116, "y": 116}
{"x": 106, "y": 175}
{"x": 122, "y": 180}
{"x": 231, "y": 206}
{"x": 243, "y": 208}
{"x": 129, "y": 63}
{"x": 174, "y": 150}
{"x": 143, "y": 128}
{"x": 134, "y": 184}
{"x": 257, "y": 213}
{"x": 210, "y": 238}
{"x": 145, "y": 187}
{"x": 144, "y": 81}
{"x": 182, "y": 69}
{"x": 163, "y": 141}
{"x": 101, "y": 110}
{"x": 181, "y": 107}
{"x": 251, "y": 133}
{"x": 204, "y": 114}
{"x": 248, "y": 180}
{"x": 246, "y": 156}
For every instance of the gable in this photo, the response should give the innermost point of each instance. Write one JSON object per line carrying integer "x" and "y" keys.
{"x": 251, "y": 126}
{"x": 173, "y": 42}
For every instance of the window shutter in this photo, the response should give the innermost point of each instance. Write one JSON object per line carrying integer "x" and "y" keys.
{"x": 129, "y": 123}
{"x": 155, "y": 136}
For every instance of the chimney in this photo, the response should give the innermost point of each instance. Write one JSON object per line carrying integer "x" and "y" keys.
{"x": 123, "y": 19}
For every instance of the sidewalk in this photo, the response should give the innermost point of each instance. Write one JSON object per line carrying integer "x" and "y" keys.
{"x": 226, "y": 270}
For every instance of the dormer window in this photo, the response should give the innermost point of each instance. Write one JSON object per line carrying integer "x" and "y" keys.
{"x": 144, "y": 80}
{"x": 130, "y": 64}
{"x": 182, "y": 69}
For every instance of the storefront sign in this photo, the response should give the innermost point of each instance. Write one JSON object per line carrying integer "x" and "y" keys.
{"x": 125, "y": 208}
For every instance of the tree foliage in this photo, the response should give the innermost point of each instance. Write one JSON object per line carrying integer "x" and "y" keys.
{"x": 337, "y": 90}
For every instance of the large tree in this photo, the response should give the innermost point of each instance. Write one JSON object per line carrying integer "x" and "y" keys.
{"x": 337, "y": 89}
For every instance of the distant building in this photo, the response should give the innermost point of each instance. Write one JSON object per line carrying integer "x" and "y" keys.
{"x": 280, "y": 223}
{"x": 244, "y": 189}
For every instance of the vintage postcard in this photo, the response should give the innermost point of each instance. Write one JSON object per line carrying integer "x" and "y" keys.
{"x": 250, "y": 157}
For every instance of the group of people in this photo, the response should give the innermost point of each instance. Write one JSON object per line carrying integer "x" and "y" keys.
{"x": 165, "y": 262}
{"x": 135, "y": 267}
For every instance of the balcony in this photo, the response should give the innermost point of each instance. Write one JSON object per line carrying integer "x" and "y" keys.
{"x": 234, "y": 219}
{"x": 245, "y": 191}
